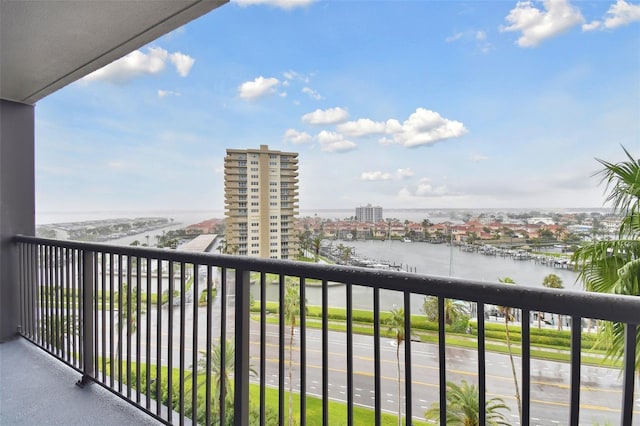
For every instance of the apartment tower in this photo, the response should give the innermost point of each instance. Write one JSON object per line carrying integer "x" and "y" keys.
{"x": 369, "y": 213}
{"x": 261, "y": 202}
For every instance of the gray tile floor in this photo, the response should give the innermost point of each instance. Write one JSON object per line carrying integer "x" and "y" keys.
{"x": 37, "y": 389}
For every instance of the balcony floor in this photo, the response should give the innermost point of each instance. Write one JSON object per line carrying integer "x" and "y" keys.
{"x": 37, "y": 389}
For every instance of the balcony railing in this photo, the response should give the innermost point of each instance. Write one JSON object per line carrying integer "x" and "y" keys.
{"x": 132, "y": 320}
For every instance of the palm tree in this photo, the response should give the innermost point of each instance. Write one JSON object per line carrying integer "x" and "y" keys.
{"x": 552, "y": 281}
{"x": 463, "y": 404}
{"x": 508, "y": 316}
{"x": 291, "y": 312}
{"x": 346, "y": 254}
{"x": 614, "y": 266}
{"x": 220, "y": 374}
{"x": 128, "y": 313}
{"x": 395, "y": 323}
{"x": 453, "y": 309}
{"x": 315, "y": 244}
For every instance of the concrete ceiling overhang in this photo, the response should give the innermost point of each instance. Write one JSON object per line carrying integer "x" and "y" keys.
{"x": 48, "y": 44}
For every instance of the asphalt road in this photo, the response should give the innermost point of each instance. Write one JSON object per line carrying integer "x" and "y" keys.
{"x": 601, "y": 395}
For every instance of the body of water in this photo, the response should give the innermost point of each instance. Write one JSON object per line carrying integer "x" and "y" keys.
{"x": 432, "y": 259}
{"x": 438, "y": 259}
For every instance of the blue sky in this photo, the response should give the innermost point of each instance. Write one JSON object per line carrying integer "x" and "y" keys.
{"x": 403, "y": 104}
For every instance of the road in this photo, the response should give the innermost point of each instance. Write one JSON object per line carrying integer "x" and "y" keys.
{"x": 600, "y": 391}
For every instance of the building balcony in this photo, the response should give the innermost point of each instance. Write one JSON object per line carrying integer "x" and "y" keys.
{"x": 101, "y": 314}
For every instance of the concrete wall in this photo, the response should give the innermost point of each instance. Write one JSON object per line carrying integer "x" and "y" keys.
{"x": 17, "y": 202}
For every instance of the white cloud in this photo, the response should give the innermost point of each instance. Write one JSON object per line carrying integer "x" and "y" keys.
{"x": 182, "y": 62}
{"x": 312, "y": 93}
{"x": 361, "y": 127}
{"x": 619, "y": 14}
{"x": 481, "y": 35}
{"x": 259, "y": 87}
{"x": 424, "y": 188}
{"x": 538, "y": 25}
{"x": 378, "y": 175}
{"x": 327, "y": 116}
{"x": 404, "y": 173}
{"x": 295, "y": 137}
{"x": 293, "y": 75}
{"x": 476, "y": 158}
{"x": 423, "y": 127}
{"x": 137, "y": 64}
{"x": 622, "y": 13}
{"x": 165, "y": 93}
{"x": 593, "y": 25}
{"x": 283, "y": 4}
{"x": 334, "y": 142}
{"x": 454, "y": 37}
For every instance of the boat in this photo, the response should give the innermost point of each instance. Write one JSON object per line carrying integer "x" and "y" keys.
{"x": 406, "y": 240}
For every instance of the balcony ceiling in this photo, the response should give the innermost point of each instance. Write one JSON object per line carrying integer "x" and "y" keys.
{"x": 45, "y": 45}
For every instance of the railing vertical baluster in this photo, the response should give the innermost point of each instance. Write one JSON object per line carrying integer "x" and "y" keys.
{"x": 170, "y": 289}
{"x": 159, "y": 341}
{"x": 121, "y": 324}
{"x": 147, "y": 369}
{"x": 526, "y": 366}
{"x": 576, "y": 330}
{"x": 103, "y": 328}
{"x": 48, "y": 301}
{"x": 75, "y": 305}
{"x": 183, "y": 320}
{"x": 22, "y": 311}
{"x": 376, "y": 356}
{"x": 21, "y": 290}
{"x": 407, "y": 357}
{"x": 349, "y": 290}
{"x": 27, "y": 282}
{"x": 138, "y": 323}
{"x": 208, "y": 347}
{"x": 41, "y": 313}
{"x": 241, "y": 374}
{"x": 325, "y": 353}
{"x": 57, "y": 303}
{"x": 630, "y": 342}
{"x": 482, "y": 377}
{"x": 303, "y": 352}
{"x": 223, "y": 345}
{"x": 67, "y": 300}
{"x": 130, "y": 321}
{"x": 281, "y": 368}
{"x": 88, "y": 315}
{"x": 442, "y": 365}
{"x": 112, "y": 366}
{"x": 263, "y": 347}
{"x": 33, "y": 289}
{"x": 39, "y": 293}
{"x": 23, "y": 281}
{"x": 194, "y": 346}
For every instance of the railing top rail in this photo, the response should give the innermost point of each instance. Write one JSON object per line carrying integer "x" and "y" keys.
{"x": 567, "y": 302}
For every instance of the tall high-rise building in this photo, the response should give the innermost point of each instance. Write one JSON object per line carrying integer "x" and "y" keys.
{"x": 369, "y": 213}
{"x": 261, "y": 202}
